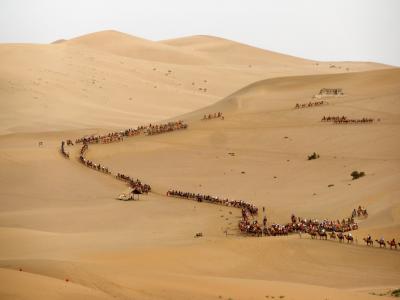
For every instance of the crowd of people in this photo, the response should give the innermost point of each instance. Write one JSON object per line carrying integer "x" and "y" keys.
{"x": 345, "y": 120}
{"x": 62, "y": 150}
{"x": 248, "y": 225}
{"x": 310, "y": 104}
{"x": 252, "y": 209}
{"x": 136, "y": 185}
{"x": 213, "y": 116}
{"x": 163, "y": 128}
{"x": 297, "y": 225}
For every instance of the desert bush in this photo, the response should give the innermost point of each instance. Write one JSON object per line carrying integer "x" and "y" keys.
{"x": 395, "y": 293}
{"x": 313, "y": 156}
{"x": 356, "y": 174}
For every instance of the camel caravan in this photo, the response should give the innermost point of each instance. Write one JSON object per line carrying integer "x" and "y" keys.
{"x": 313, "y": 227}
{"x": 310, "y": 104}
{"x": 102, "y": 139}
{"x": 252, "y": 227}
{"x": 345, "y": 120}
{"x": 214, "y": 200}
{"x": 217, "y": 115}
{"x": 118, "y": 136}
{"x": 381, "y": 242}
{"x": 324, "y": 229}
{"x": 136, "y": 185}
{"x": 89, "y": 163}
{"x": 163, "y": 128}
{"x": 248, "y": 224}
{"x": 329, "y": 92}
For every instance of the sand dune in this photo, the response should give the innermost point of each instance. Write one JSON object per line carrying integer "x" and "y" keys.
{"x": 59, "y": 219}
{"x": 233, "y": 53}
{"x": 125, "y": 45}
{"x": 112, "y": 80}
{"x": 230, "y": 52}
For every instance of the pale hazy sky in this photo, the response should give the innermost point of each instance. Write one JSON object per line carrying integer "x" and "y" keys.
{"x": 367, "y": 30}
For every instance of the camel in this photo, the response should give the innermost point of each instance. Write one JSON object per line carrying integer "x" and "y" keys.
{"x": 340, "y": 237}
{"x": 313, "y": 234}
{"x": 349, "y": 238}
{"x": 257, "y": 231}
{"x": 381, "y": 243}
{"x": 266, "y": 231}
{"x": 322, "y": 235}
{"x": 392, "y": 244}
{"x": 369, "y": 241}
{"x": 332, "y": 235}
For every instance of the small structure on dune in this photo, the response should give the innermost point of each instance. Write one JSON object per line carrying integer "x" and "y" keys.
{"x": 334, "y": 92}
{"x": 136, "y": 191}
{"x": 125, "y": 197}
{"x": 324, "y": 92}
{"x": 131, "y": 195}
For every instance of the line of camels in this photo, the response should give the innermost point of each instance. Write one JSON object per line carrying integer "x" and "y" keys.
{"x": 310, "y": 104}
{"x": 252, "y": 209}
{"x": 329, "y": 92}
{"x": 136, "y": 186}
{"x": 248, "y": 224}
{"x": 315, "y": 228}
{"x": 369, "y": 241}
{"x": 62, "y": 150}
{"x": 346, "y": 120}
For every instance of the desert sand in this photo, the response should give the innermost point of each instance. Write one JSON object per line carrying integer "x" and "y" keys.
{"x": 64, "y": 235}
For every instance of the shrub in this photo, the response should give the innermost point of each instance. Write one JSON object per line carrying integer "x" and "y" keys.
{"x": 356, "y": 174}
{"x": 313, "y": 156}
{"x": 396, "y": 293}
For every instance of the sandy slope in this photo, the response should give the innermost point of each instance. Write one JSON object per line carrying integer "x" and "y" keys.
{"x": 110, "y": 79}
{"x": 59, "y": 219}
